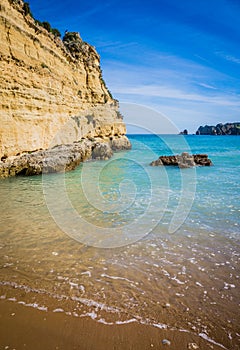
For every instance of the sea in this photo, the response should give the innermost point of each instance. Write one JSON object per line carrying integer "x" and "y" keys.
{"x": 120, "y": 241}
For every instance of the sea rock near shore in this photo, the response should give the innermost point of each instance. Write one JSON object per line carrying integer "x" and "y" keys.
{"x": 184, "y": 160}
{"x": 120, "y": 143}
{"x": 101, "y": 151}
{"x": 57, "y": 159}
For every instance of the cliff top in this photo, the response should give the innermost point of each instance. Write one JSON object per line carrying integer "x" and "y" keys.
{"x": 72, "y": 44}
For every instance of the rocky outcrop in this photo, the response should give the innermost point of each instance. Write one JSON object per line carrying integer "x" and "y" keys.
{"x": 184, "y": 160}
{"x": 51, "y": 91}
{"x": 219, "y": 129}
{"x": 101, "y": 151}
{"x": 120, "y": 143}
{"x": 59, "y": 158}
{"x": 184, "y": 132}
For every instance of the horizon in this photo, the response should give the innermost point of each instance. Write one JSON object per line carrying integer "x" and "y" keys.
{"x": 178, "y": 58}
{"x": 137, "y": 131}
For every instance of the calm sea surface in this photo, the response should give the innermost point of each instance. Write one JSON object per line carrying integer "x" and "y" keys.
{"x": 120, "y": 241}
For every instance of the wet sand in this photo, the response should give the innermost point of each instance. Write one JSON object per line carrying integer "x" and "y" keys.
{"x": 24, "y": 327}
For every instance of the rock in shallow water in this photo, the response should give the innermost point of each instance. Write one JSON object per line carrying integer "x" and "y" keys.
{"x": 184, "y": 160}
{"x": 60, "y": 158}
{"x": 120, "y": 143}
{"x": 101, "y": 151}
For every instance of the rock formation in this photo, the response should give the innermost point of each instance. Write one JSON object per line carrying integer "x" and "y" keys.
{"x": 51, "y": 90}
{"x": 184, "y": 160}
{"x": 220, "y": 129}
{"x": 184, "y": 132}
{"x": 57, "y": 159}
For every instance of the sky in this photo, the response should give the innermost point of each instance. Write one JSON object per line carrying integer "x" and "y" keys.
{"x": 179, "y": 58}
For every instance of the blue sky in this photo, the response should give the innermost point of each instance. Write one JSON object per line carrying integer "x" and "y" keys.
{"x": 181, "y": 58}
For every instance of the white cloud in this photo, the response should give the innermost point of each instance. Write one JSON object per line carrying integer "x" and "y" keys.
{"x": 188, "y": 93}
{"x": 233, "y": 59}
{"x": 228, "y": 57}
{"x": 207, "y": 86}
{"x": 112, "y": 46}
{"x": 167, "y": 92}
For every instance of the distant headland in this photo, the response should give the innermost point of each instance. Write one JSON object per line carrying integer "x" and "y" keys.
{"x": 220, "y": 129}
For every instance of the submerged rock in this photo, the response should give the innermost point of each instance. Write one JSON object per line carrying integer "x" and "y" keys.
{"x": 184, "y": 160}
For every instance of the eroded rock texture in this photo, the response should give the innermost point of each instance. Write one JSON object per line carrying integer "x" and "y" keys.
{"x": 51, "y": 91}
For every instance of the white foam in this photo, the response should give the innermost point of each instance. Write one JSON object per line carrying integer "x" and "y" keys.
{"x": 166, "y": 273}
{"x": 127, "y": 321}
{"x": 228, "y": 285}
{"x": 205, "y": 336}
{"x": 73, "y": 284}
{"x": 177, "y": 280}
{"x": 92, "y": 314}
{"x": 116, "y": 278}
{"x": 183, "y": 270}
{"x": 192, "y": 261}
{"x": 35, "y": 306}
{"x": 61, "y": 278}
{"x": 90, "y": 302}
{"x": 42, "y": 308}
{"x": 58, "y": 310}
{"x": 101, "y": 320}
{"x": 199, "y": 284}
{"x": 87, "y": 273}
{"x": 82, "y": 288}
{"x": 160, "y": 325}
{"x": 55, "y": 253}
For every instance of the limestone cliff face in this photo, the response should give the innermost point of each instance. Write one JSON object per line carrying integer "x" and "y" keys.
{"x": 51, "y": 92}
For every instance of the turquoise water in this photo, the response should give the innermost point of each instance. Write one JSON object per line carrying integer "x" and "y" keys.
{"x": 120, "y": 241}
{"x": 216, "y": 199}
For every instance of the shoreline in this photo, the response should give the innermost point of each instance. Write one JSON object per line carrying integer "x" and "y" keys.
{"x": 24, "y": 327}
{"x": 187, "y": 282}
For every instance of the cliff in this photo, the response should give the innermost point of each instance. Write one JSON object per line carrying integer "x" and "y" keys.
{"x": 220, "y": 129}
{"x": 51, "y": 91}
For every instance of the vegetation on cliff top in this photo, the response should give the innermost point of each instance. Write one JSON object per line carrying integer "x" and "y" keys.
{"x": 71, "y": 40}
{"x": 27, "y": 11}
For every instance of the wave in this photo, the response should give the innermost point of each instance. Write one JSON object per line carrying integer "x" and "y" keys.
{"x": 94, "y": 313}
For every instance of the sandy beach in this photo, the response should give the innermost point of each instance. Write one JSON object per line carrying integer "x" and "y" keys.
{"x": 28, "y": 328}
